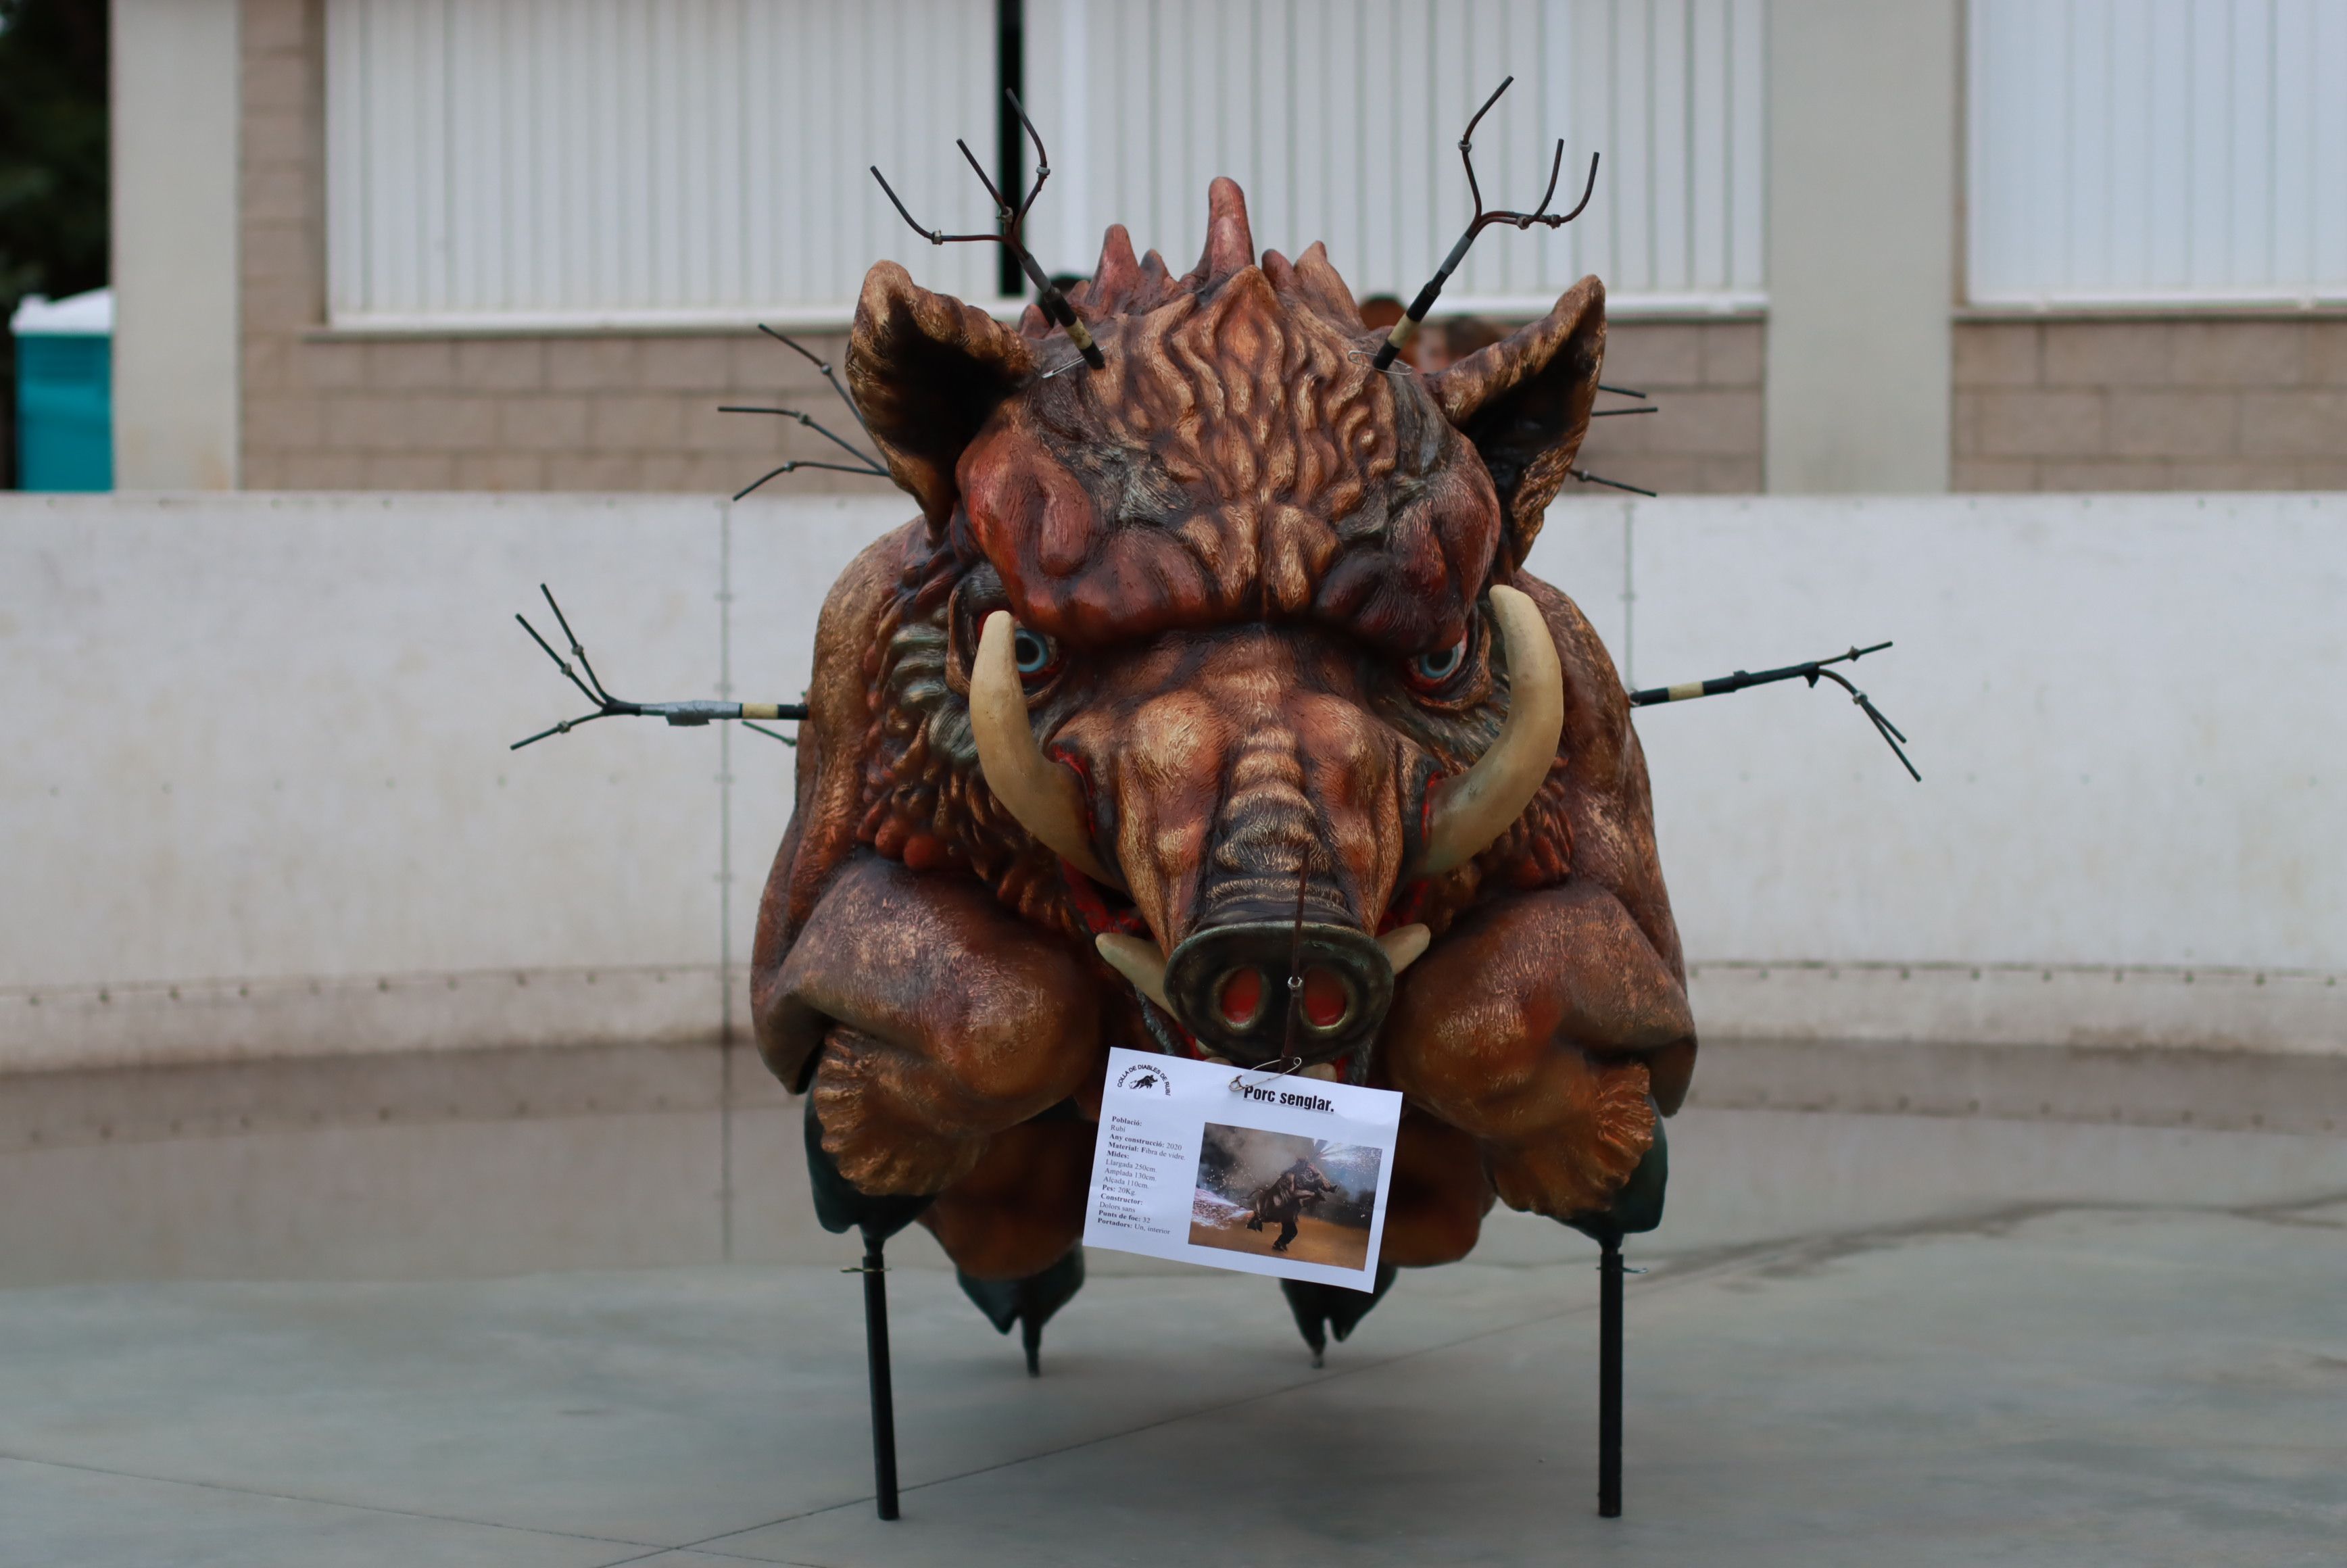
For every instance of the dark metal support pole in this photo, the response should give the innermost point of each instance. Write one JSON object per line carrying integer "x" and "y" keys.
{"x": 1609, "y": 1381}
{"x": 876, "y": 1357}
{"x": 1009, "y": 142}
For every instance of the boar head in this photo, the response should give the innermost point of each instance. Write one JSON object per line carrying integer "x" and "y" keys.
{"x": 1223, "y": 632}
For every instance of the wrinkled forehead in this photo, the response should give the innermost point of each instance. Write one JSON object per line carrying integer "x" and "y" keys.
{"x": 1236, "y": 461}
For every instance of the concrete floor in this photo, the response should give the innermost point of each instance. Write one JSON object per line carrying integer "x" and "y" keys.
{"x": 1988, "y": 1375}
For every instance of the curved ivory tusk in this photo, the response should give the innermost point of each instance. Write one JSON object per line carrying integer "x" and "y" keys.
{"x": 1045, "y": 796}
{"x": 1139, "y": 962}
{"x": 1473, "y": 809}
{"x": 1404, "y": 944}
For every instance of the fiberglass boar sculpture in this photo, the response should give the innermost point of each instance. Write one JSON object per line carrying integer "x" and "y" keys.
{"x": 1235, "y": 612}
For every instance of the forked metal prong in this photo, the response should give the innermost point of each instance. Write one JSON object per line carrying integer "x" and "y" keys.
{"x": 1391, "y": 348}
{"x": 1049, "y": 295}
{"x": 872, "y": 463}
{"x": 559, "y": 662}
{"x": 794, "y": 464}
{"x": 594, "y": 682}
{"x": 689, "y": 715}
{"x": 821, "y": 366}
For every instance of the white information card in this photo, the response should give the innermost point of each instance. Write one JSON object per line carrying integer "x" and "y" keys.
{"x": 1239, "y": 1169}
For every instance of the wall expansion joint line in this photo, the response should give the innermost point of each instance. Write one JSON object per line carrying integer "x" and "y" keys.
{"x": 725, "y": 885}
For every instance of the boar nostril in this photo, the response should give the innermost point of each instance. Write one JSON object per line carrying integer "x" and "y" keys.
{"x": 1326, "y": 998}
{"x": 1241, "y": 997}
{"x": 1228, "y": 986}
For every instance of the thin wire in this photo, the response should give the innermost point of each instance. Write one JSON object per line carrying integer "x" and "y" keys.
{"x": 792, "y": 467}
{"x": 822, "y": 367}
{"x": 1295, "y": 962}
{"x": 1883, "y": 727}
{"x": 846, "y": 447}
{"x": 1587, "y": 477}
{"x": 1280, "y": 1069}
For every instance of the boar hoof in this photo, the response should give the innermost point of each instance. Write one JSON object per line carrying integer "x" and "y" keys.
{"x": 1639, "y": 1207}
{"x": 1028, "y": 1302}
{"x": 880, "y": 1131}
{"x": 1321, "y": 1309}
{"x": 838, "y": 1206}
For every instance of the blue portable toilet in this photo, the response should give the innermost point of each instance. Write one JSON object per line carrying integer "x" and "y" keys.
{"x": 65, "y": 391}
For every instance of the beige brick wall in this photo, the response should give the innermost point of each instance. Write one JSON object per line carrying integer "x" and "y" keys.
{"x": 2151, "y": 405}
{"x": 1704, "y": 378}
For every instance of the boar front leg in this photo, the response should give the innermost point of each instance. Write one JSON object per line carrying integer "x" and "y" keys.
{"x": 1538, "y": 1026}
{"x": 931, "y": 1018}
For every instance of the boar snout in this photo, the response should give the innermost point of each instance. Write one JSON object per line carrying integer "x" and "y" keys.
{"x": 1229, "y": 985}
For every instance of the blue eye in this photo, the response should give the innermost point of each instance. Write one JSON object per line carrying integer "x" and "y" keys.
{"x": 1433, "y": 669}
{"x": 1036, "y": 654}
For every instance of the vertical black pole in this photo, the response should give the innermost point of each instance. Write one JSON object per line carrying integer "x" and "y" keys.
{"x": 1609, "y": 1380}
{"x": 1009, "y": 138}
{"x": 876, "y": 1357}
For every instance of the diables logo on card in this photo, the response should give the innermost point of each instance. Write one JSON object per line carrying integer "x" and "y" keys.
{"x": 1141, "y": 1077}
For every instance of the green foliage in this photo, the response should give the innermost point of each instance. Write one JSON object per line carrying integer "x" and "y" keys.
{"x": 52, "y": 166}
{"x": 53, "y": 131}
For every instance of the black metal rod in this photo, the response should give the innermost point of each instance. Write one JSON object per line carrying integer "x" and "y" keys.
{"x": 1011, "y": 218}
{"x": 875, "y": 1358}
{"x": 1609, "y": 1381}
{"x": 1389, "y": 351}
{"x": 685, "y": 715}
{"x": 1812, "y": 671}
{"x": 1587, "y": 477}
{"x": 1743, "y": 680}
{"x": 823, "y": 368}
{"x": 1009, "y": 137}
{"x": 870, "y": 462}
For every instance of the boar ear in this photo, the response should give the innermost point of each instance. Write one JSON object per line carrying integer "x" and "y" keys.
{"x": 927, "y": 370}
{"x": 1524, "y": 402}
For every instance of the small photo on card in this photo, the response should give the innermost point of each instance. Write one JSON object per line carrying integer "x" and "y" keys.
{"x": 1284, "y": 1194}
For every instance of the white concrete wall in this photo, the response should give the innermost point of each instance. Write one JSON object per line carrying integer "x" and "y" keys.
{"x": 175, "y": 112}
{"x": 257, "y": 799}
{"x": 2133, "y": 820}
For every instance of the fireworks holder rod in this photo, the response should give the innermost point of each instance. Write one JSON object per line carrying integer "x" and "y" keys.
{"x": 683, "y": 715}
{"x": 1812, "y": 672}
{"x": 1399, "y": 337}
{"x": 1049, "y": 297}
{"x": 870, "y": 464}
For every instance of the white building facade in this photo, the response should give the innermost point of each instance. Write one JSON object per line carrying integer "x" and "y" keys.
{"x": 518, "y": 244}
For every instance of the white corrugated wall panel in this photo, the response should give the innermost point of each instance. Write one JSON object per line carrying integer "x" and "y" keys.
{"x": 571, "y": 161}
{"x": 2150, "y": 152}
{"x": 506, "y": 162}
{"x": 1341, "y": 120}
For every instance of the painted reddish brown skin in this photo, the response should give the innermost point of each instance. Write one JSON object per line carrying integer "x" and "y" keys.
{"x": 1239, "y": 540}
